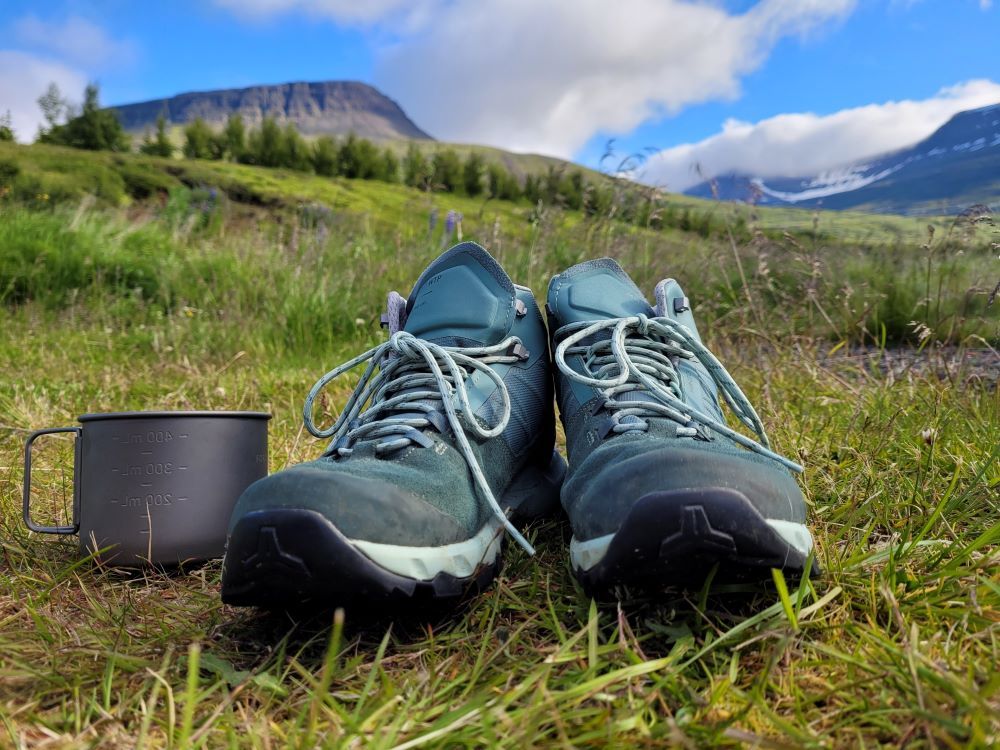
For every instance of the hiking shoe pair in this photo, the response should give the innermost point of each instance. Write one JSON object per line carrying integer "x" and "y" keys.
{"x": 448, "y": 442}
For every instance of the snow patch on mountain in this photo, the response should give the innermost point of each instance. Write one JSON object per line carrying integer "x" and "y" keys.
{"x": 843, "y": 182}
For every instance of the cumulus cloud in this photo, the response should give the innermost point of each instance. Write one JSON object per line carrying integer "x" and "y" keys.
{"x": 67, "y": 53}
{"x": 75, "y": 40}
{"x": 23, "y": 78}
{"x": 547, "y": 76}
{"x": 804, "y": 144}
{"x": 365, "y": 12}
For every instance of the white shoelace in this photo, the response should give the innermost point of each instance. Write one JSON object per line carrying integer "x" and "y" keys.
{"x": 636, "y": 357}
{"x": 414, "y": 375}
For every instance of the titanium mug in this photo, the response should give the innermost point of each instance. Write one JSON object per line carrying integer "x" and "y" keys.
{"x": 157, "y": 487}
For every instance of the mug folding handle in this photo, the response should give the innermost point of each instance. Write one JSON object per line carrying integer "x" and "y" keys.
{"x": 27, "y": 483}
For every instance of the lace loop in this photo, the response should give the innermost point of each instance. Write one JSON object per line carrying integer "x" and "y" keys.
{"x": 643, "y": 363}
{"x": 414, "y": 376}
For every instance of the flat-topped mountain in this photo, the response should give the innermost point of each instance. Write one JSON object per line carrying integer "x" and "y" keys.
{"x": 323, "y": 108}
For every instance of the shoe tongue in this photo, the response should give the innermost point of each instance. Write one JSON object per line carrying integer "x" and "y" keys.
{"x": 595, "y": 290}
{"x": 463, "y": 298}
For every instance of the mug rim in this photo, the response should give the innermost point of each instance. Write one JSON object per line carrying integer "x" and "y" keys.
{"x": 97, "y": 416}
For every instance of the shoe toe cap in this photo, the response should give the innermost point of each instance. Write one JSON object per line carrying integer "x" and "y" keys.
{"x": 600, "y": 495}
{"x": 363, "y": 508}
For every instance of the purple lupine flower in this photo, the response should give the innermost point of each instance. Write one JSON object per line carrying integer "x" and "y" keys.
{"x": 432, "y": 220}
{"x": 450, "y": 221}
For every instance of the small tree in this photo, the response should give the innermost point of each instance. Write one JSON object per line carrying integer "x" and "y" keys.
{"x": 447, "y": 170}
{"x": 472, "y": 174}
{"x": 267, "y": 144}
{"x": 235, "y": 137}
{"x": 571, "y": 189}
{"x": 368, "y": 159}
{"x": 199, "y": 140}
{"x": 53, "y": 106}
{"x": 358, "y": 158}
{"x": 324, "y": 156}
{"x": 388, "y": 167}
{"x": 502, "y": 184}
{"x": 161, "y": 145}
{"x": 416, "y": 170}
{"x": 531, "y": 188}
{"x": 94, "y": 128}
{"x": 296, "y": 150}
{"x": 6, "y": 128}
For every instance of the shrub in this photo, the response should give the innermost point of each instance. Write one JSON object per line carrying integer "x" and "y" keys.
{"x": 446, "y": 170}
{"x": 234, "y": 136}
{"x": 161, "y": 145}
{"x": 324, "y": 156}
{"x": 296, "y": 152}
{"x": 388, "y": 167}
{"x": 200, "y": 142}
{"x": 472, "y": 174}
{"x": 6, "y": 128}
{"x": 94, "y": 129}
{"x": 267, "y": 144}
{"x": 416, "y": 170}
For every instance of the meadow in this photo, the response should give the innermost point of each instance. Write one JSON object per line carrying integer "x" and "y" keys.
{"x": 867, "y": 344}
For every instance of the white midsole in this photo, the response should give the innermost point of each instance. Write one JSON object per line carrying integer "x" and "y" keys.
{"x": 423, "y": 563}
{"x": 585, "y": 555}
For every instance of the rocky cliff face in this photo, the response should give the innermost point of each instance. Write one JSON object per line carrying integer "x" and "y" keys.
{"x": 324, "y": 108}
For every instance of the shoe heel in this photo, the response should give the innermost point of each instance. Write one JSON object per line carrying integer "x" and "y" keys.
{"x": 534, "y": 493}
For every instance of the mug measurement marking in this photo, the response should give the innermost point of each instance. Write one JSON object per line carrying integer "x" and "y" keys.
{"x": 143, "y": 501}
{"x": 150, "y": 436}
{"x": 153, "y": 468}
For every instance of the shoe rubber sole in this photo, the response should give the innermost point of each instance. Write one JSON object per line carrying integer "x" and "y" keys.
{"x": 289, "y": 557}
{"x": 676, "y": 537}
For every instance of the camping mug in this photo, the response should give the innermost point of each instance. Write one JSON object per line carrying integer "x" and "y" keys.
{"x": 157, "y": 487}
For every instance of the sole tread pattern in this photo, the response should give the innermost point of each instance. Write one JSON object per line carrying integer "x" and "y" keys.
{"x": 675, "y": 538}
{"x": 290, "y": 557}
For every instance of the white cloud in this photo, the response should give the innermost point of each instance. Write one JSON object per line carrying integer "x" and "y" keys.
{"x": 546, "y": 76}
{"x": 362, "y": 12}
{"x": 68, "y": 53}
{"x": 803, "y": 144}
{"x": 75, "y": 40}
{"x": 23, "y": 78}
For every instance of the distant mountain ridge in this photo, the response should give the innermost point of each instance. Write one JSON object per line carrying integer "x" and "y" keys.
{"x": 955, "y": 167}
{"x": 317, "y": 108}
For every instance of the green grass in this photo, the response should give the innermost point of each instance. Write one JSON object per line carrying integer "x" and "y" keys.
{"x": 230, "y": 304}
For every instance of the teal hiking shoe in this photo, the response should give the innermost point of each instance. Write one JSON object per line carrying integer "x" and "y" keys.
{"x": 659, "y": 488}
{"x": 447, "y": 441}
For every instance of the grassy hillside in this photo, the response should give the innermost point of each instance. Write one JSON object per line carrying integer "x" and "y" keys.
{"x": 117, "y": 179}
{"x": 136, "y": 283}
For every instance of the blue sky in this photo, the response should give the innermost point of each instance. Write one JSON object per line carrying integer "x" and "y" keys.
{"x": 737, "y": 84}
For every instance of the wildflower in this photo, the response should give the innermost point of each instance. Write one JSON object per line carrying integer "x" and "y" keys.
{"x": 929, "y": 435}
